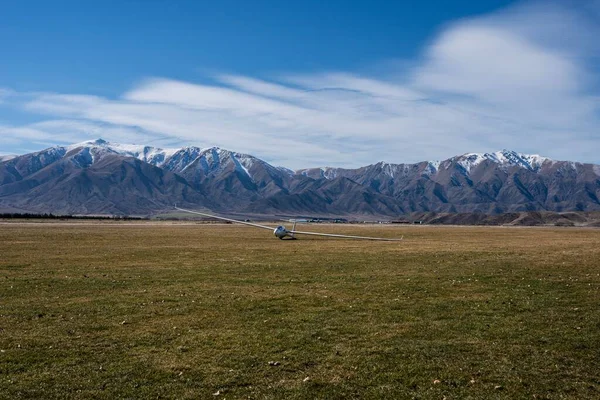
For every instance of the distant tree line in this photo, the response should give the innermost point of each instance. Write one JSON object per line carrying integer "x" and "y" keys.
{"x": 52, "y": 216}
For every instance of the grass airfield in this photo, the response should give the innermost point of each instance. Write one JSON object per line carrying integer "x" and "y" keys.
{"x": 166, "y": 310}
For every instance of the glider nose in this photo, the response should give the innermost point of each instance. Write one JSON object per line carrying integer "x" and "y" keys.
{"x": 280, "y": 232}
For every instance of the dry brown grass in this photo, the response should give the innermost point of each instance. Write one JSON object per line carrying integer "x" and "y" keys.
{"x": 138, "y": 310}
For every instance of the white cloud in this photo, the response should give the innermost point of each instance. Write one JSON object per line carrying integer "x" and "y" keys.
{"x": 491, "y": 63}
{"x": 504, "y": 80}
{"x": 503, "y": 66}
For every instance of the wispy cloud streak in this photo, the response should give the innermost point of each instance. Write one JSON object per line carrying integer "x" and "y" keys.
{"x": 498, "y": 81}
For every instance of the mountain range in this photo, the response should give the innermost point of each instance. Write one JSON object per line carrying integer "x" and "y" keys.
{"x": 98, "y": 177}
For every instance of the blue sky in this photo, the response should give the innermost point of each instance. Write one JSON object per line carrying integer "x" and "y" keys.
{"x": 305, "y": 84}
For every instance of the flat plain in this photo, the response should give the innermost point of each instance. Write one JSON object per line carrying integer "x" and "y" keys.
{"x": 167, "y": 310}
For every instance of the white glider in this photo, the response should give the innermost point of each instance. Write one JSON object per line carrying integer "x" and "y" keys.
{"x": 281, "y": 232}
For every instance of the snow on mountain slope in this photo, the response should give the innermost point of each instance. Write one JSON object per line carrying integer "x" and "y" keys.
{"x": 28, "y": 164}
{"x": 84, "y": 154}
{"x": 243, "y": 163}
{"x": 322, "y": 172}
{"x": 433, "y": 166}
{"x": 504, "y": 158}
{"x": 214, "y": 159}
{"x": 467, "y": 162}
{"x": 152, "y": 155}
{"x": 181, "y": 158}
{"x": 6, "y": 157}
{"x": 400, "y": 170}
{"x": 210, "y": 160}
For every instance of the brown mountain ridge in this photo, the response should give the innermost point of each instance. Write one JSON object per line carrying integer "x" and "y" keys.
{"x": 98, "y": 177}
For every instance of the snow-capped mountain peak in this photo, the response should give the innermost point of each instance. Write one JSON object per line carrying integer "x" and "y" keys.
{"x": 210, "y": 160}
{"x": 213, "y": 160}
{"x": 152, "y": 155}
{"x": 322, "y": 172}
{"x": 182, "y": 158}
{"x": 433, "y": 166}
{"x": 505, "y": 158}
